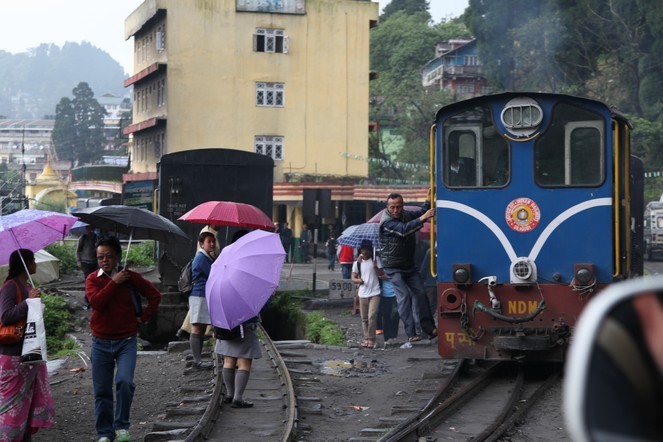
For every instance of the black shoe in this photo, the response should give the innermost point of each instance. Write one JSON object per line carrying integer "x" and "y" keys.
{"x": 227, "y": 400}
{"x": 241, "y": 404}
{"x": 203, "y": 365}
{"x": 182, "y": 335}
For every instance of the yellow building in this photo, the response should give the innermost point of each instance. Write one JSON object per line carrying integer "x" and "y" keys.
{"x": 285, "y": 78}
{"x": 49, "y": 191}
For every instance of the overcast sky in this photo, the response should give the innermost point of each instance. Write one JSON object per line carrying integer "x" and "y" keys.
{"x": 28, "y": 23}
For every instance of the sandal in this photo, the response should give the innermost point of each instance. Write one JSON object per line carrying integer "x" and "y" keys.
{"x": 368, "y": 344}
{"x": 415, "y": 338}
{"x": 433, "y": 334}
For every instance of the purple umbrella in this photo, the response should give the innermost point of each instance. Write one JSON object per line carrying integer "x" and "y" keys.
{"x": 31, "y": 229}
{"x": 243, "y": 277}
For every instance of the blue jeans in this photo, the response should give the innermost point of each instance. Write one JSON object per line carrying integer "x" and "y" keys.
{"x": 346, "y": 271}
{"x": 388, "y": 317}
{"x": 409, "y": 288}
{"x": 107, "y": 355}
{"x": 331, "y": 261}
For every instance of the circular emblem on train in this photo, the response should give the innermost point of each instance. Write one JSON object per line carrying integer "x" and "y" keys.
{"x": 522, "y": 214}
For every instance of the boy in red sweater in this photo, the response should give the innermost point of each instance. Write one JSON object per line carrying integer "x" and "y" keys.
{"x": 114, "y": 294}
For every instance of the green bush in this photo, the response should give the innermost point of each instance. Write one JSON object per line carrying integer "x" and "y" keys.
{"x": 67, "y": 256}
{"x": 141, "y": 254}
{"x": 57, "y": 321}
{"x": 321, "y": 330}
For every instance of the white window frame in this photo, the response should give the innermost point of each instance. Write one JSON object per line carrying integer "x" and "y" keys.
{"x": 270, "y": 94}
{"x": 471, "y": 60}
{"x": 270, "y": 40}
{"x": 269, "y": 145}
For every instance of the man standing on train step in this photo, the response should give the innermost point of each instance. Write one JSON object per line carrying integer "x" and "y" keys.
{"x": 398, "y": 244}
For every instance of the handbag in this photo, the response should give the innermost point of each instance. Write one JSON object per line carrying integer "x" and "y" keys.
{"x": 13, "y": 333}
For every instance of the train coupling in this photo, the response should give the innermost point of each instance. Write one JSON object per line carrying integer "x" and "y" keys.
{"x": 491, "y": 282}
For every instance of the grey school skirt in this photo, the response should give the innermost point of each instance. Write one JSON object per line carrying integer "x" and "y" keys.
{"x": 247, "y": 347}
{"x": 198, "y": 310}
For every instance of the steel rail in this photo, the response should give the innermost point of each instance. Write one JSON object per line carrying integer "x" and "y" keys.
{"x": 419, "y": 424}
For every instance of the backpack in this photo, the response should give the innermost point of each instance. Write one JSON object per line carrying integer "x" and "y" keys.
{"x": 185, "y": 281}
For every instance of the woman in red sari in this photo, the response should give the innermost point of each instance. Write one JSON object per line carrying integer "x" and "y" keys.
{"x": 26, "y": 403}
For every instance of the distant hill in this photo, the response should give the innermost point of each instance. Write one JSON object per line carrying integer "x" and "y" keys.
{"x": 32, "y": 83}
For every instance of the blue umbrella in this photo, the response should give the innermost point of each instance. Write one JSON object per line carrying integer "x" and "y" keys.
{"x": 354, "y": 235}
{"x": 78, "y": 228}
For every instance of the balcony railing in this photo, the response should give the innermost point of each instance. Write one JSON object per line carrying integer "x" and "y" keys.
{"x": 462, "y": 70}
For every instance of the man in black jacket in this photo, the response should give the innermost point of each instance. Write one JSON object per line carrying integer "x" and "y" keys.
{"x": 398, "y": 244}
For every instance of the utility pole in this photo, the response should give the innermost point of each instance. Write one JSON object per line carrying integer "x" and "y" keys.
{"x": 315, "y": 242}
{"x": 24, "y": 199}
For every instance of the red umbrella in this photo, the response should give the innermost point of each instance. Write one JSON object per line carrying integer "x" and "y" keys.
{"x": 229, "y": 213}
{"x": 425, "y": 230}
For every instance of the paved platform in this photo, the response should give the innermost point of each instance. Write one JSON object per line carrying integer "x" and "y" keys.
{"x": 300, "y": 276}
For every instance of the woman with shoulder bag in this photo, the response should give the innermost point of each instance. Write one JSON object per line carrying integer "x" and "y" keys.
{"x": 26, "y": 403}
{"x": 238, "y": 354}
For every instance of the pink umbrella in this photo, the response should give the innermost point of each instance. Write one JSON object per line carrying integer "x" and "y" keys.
{"x": 228, "y": 213}
{"x": 243, "y": 277}
{"x": 31, "y": 229}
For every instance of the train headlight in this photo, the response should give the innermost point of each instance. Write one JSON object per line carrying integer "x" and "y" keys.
{"x": 523, "y": 271}
{"x": 462, "y": 273}
{"x": 583, "y": 274}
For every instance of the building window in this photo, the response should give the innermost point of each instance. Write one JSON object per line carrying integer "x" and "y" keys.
{"x": 270, "y": 40}
{"x": 161, "y": 38}
{"x": 471, "y": 60}
{"x": 269, "y": 94}
{"x": 161, "y": 92}
{"x": 270, "y": 146}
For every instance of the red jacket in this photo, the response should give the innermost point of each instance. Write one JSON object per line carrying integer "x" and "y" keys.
{"x": 113, "y": 314}
{"x": 346, "y": 255}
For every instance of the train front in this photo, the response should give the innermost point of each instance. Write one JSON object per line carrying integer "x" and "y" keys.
{"x": 532, "y": 197}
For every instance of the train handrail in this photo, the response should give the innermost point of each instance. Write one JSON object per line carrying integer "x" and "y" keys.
{"x": 627, "y": 195}
{"x": 432, "y": 200}
{"x": 615, "y": 203}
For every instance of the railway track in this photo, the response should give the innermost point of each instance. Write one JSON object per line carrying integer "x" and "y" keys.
{"x": 204, "y": 417}
{"x": 316, "y": 401}
{"x": 482, "y": 408}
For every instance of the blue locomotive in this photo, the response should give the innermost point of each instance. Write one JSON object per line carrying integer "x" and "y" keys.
{"x": 539, "y": 206}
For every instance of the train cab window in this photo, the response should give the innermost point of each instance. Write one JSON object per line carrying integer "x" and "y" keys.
{"x": 474, "y": 154}
{"x": 571, "y": 153}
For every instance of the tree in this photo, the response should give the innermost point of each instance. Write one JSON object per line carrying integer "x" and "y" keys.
{"x": 400, "y": 47}
{"x": 613, "y": 37}
{"x": 79, "y": 126}
{"x": 492, "y": 24}
{"x": 408, "y": 7}
{"x": 64, "y": 130}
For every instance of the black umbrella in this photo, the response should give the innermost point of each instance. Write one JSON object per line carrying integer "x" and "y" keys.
{"x": 136, "y": 222}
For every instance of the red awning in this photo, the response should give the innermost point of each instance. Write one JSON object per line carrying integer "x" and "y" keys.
{"x": 146, "y": 124}
{"x": 142, "y": 74}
